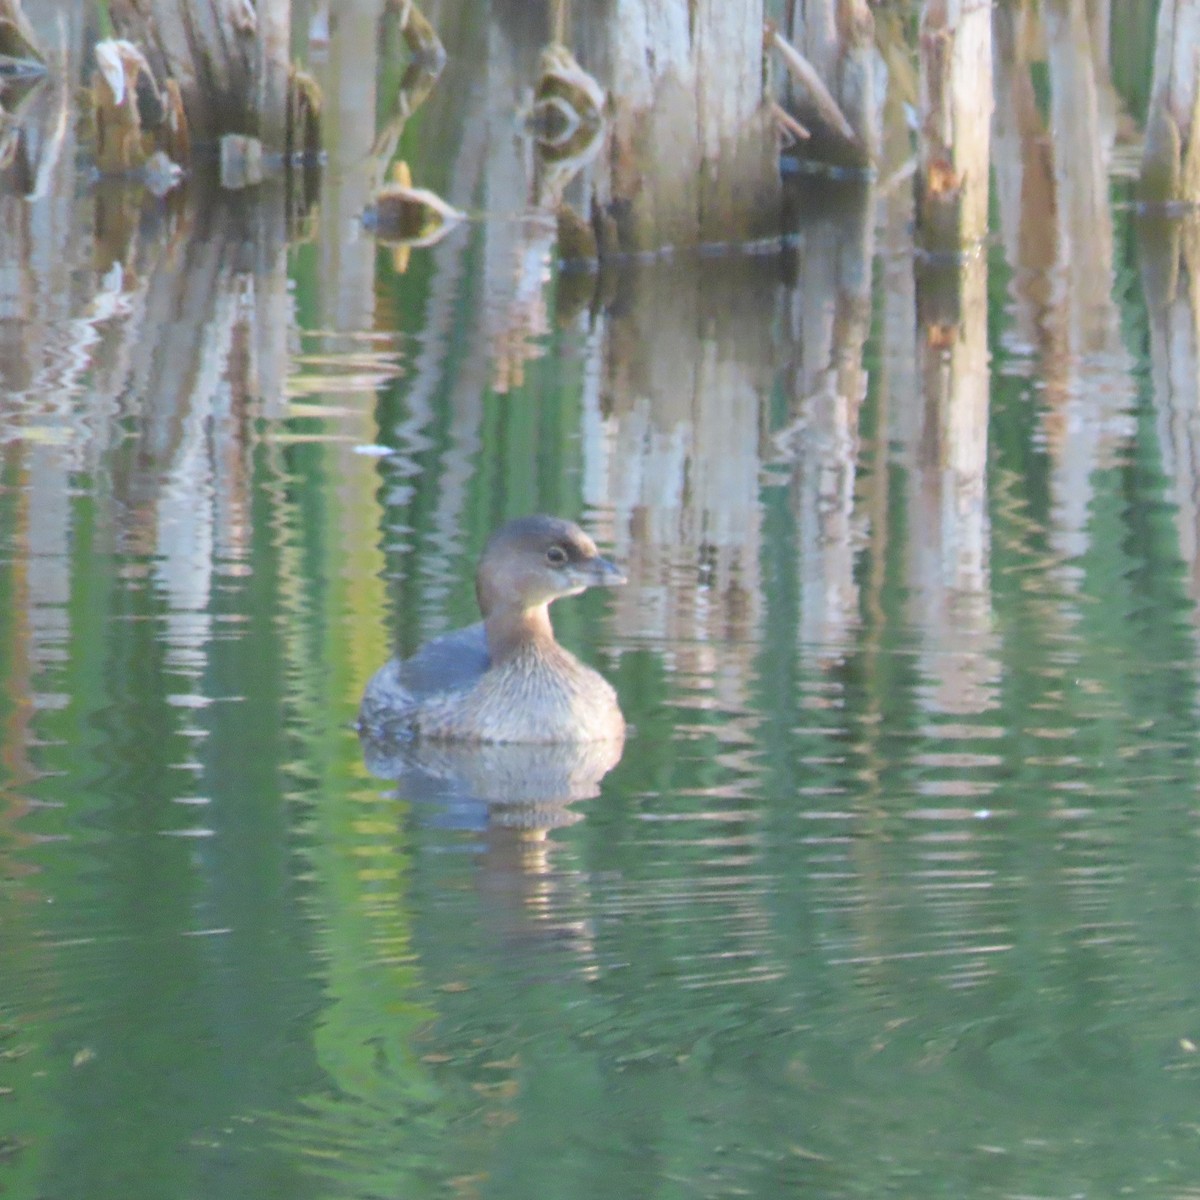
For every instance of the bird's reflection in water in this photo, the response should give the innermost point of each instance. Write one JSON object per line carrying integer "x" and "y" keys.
{"x": 512, "y": 795}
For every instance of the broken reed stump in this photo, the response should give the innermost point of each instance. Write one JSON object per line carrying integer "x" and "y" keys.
{"x": 152, "y": 102}
{"x": 831, "y": 86}
{"x": 230, "y": 61}
{"x": 692, "y": 156}
{"x": 1170, "y": 171}
{"x": 216, "y": 74}
{"x": 133, "y": 118}
{"x": 954, "y": 124}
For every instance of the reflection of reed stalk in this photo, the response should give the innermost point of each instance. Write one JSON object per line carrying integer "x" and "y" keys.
{"x": 558, "y": 9}
{"x": 1171, "y": 151}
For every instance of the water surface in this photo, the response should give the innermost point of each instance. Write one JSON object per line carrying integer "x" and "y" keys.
{"x": 893, "y": 890}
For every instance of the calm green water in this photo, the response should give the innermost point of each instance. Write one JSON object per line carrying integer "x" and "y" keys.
{"x": 894, "y": 890}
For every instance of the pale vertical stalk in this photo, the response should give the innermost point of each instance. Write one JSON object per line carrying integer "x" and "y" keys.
{"x": 1170, "y": 255}
{"x": 1171, "y": 151}
{"x": 1086, "y": 365}
{"x": 951, "y": 573}
{"x": 692, "y": 156}
{"x": 50, "y": 428}
{"x": 828, "y": 319}
{"x": 1023, "y": 165}
{"x": 955, "y": 109}
{"x": 271, "y": 65}
{"x": 685, "y": 371}
{"x": 346, "y": 302}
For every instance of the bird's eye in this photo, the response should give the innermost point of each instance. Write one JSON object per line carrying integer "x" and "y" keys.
{"x": 556, "y": 556}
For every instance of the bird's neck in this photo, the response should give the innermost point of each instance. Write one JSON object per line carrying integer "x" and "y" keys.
{"x": 511, "y": 630}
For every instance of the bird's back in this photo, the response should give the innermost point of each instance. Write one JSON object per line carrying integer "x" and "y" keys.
{"x": 451, "y": 663}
